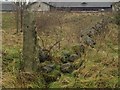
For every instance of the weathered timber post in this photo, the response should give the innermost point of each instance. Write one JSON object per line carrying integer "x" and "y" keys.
{"x": 30, "y": 51}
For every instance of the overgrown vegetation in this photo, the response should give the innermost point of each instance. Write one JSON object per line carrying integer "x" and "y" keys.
{"x": 65, "y": 60}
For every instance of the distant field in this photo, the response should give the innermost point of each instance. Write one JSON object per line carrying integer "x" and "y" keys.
{"x": 66, "y": 24}
{"x": 100, "y": 68}
{"x": 8, "y": 21}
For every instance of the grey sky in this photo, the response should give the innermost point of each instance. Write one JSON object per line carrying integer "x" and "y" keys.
{"x": 70, "y": 0}
{"x": 82, "y": 0}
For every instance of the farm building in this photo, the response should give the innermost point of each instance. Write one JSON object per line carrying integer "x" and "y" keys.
{"x": 7, "y": 6}
{"x": 72, "y": 6}
{"x": 40, "y": 6}
{"x": 82, "y": 6}
{"x": 35, "y": 6}
{"x": 63, "y": 6}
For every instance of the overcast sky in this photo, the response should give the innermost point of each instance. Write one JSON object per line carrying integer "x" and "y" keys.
{"x": 69, "y": 0}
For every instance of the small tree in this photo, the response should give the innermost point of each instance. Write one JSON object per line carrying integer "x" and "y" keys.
{"x": 30, "y": 50}
{"x": 17, "y": 15}
{"x": 117, "y": 13}
{"x": 19, "y": 7}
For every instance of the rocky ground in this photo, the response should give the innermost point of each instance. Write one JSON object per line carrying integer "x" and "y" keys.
{"x": 79, "y": 50}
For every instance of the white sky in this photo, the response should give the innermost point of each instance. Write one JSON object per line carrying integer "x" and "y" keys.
{"x": 68, "y": 0}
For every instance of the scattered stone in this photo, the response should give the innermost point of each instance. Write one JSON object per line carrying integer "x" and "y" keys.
{"x": 92, "y": 32}
{"x": 48, "y": 68}
{"x": 66, "y": 68}
{"x": 51, "y": 66}
{"x": 73, "y": 57}
{"x": 44, "y": 56}
{"x": 89, "y": 41}
{"x": 65, "y": 57}
{"x": 98, "y": 28}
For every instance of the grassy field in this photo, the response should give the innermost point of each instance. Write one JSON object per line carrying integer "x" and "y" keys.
{"x": 100, "y": 66}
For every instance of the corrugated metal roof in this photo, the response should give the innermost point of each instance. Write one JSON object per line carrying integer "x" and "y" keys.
{"x": 9, "y": 6}
{"x": 81, "y": 4}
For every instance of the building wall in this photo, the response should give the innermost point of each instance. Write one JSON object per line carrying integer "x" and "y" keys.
{"x": 39, "y": 6}
{"x": 82, "y": 9}
{"x": 8, "y": 7}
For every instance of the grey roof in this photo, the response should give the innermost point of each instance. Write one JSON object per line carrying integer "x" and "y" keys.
{"x": 81, "y": 4}
{"x": 8, "y": 6}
